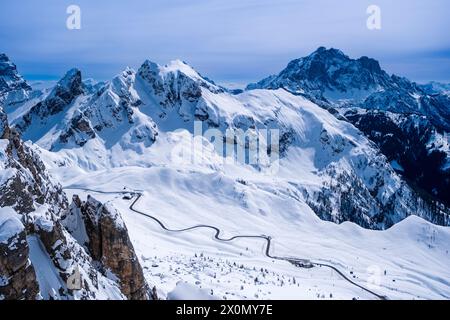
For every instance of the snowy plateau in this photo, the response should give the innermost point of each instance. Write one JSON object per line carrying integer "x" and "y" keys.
{"x": 341, "y": 217}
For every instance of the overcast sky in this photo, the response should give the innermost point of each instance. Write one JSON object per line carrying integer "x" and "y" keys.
{"x": 233, "y": 41}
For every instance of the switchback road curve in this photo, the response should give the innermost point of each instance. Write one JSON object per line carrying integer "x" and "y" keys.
{"x": 299, "y": 262}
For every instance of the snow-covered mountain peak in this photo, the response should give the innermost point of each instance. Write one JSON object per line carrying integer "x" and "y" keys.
{"x": 44, "y": 114}
{"x": 121, "y": 83}
{"x": 175, "y": 69}
{"x": 173, "y": 66}
{"x": 331, "y": 78}
{"x": 70, "y": 86}
{"x": 13, "y": 88}
{"x": 136, "y": 132}
{"x": 328, "y": 70}
{"x": 181, "y": 66}
{"x": 322, "y": 53}
{"x": 150, "y": 66}
{"x": 119, "y": 124}
{"x": 10, "y": 79}
{"x": 72, "y": 77}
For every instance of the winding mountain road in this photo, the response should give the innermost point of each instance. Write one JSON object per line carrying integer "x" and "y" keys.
{"x": 302, "y": 263}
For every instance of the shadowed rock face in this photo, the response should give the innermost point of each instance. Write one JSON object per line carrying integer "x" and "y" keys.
{"x": 3, "y": 124}
{"x": 13, "y": 88}
{"x": 62, "y": 95}
{"x": 10, "y": 79}
{"x": 30, "y": 182}
{"x": 414, "y": 143}
{"x": 109, "y": 243}
{"x": 17, "y": 275}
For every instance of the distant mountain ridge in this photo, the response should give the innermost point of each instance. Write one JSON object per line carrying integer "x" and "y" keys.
{"x": 10, "y": 80}
{"x": 435, "y": 87}
{"x": 333, "y": 78}
{"x": 13, "y": 87}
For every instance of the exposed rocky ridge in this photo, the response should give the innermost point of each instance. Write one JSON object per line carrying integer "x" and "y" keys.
{"x": 28, "y": 182}
{"x": 9, "y": 77}
{"x": 62, "y": 95}
{"x": 95, "y": 112}
{"x": 4, "y": 129}
{"x": 27, "y": 188}
{"x": 15, "y": 92}
{"x": 29, "y": 194}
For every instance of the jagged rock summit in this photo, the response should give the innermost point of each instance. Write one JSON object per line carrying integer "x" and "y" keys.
{"x": 10, "y": 79}
{"x": 328, "y": 70}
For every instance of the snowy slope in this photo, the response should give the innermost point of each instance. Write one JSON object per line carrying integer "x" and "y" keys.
{"x": 414, "y": 253}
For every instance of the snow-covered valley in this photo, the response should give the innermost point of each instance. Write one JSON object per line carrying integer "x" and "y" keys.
{"x": 331, "y": 196}
{"x": 408, "y": 261}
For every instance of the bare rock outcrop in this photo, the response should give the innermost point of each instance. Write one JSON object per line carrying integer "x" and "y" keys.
{"x": 108, "y": 242}
{"x": 17, "y": 275}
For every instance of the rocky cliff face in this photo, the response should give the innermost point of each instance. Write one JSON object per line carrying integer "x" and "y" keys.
{"x": 10, "y": 79}
{"x": 416, "y": 148}
{"x": 108, "y": 242}
{"x": 26, "y": 183}
{"x": 17, "y": 274}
